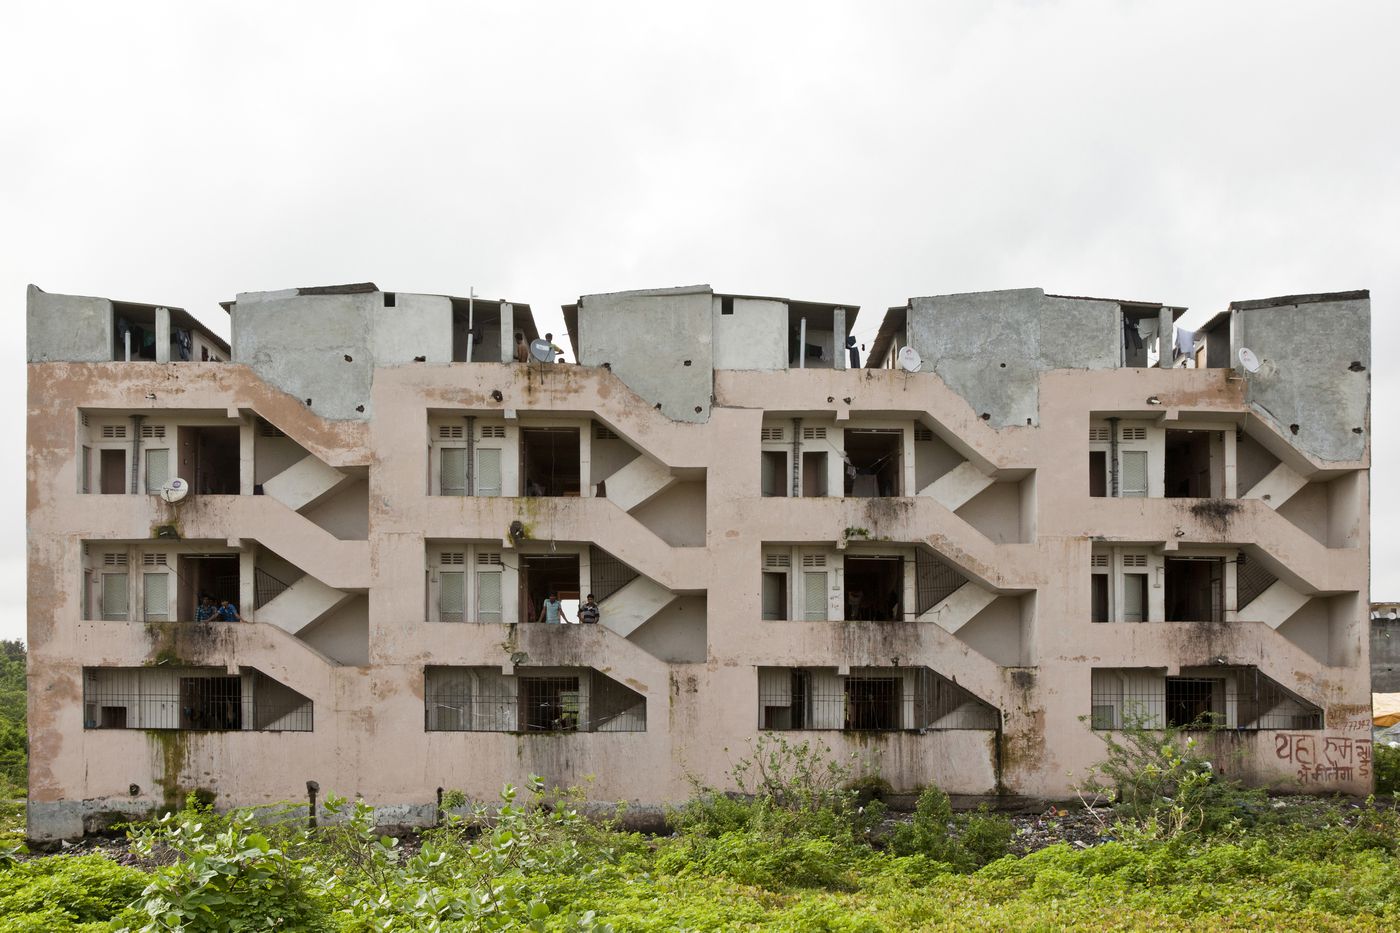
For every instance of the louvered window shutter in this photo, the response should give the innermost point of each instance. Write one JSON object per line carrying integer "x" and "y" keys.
{"x": 488, "y": 465}
{"x": 814, "y": 601}
{"x": 1134, "y": 594}
{"x": 157, "y": 596}
{"x": 488, "y": 597}
{"x": 450, "y": 596}
{"x": 1134, "y": 479}
{"x": 115, "y": 603}
{"x": 157, "y": 469}
{"x": 453, "y": 476}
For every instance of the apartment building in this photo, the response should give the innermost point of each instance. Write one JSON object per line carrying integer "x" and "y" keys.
{"x": 968, "y": 563}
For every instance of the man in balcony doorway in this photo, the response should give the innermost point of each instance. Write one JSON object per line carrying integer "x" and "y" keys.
{"x": 522, "y": 349}
{"x": 228, "y": 612}
{"x": 206, "y": 611}
{"x": 552, "y": 613}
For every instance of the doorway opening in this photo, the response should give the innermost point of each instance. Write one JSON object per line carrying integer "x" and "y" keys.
{"x": 1195, "y": 589}
{"x": 1189, "y": 701}
{"x": 1186, "y": 473}
{"x": 1098, "y": 473}
{"x": 112, "y": 471}
{"x": 543, "y": 575}
{"x": 814, "y": 473}
{"x": 874, "y": 589}
{"x": 775, "y": 480}
{"x": 873, "y": 463}
{"x": 209, "y": 459}
{"x": 873, "y": 703}
{"x": 201, "y": 574}
{"x": 549, "y": 461}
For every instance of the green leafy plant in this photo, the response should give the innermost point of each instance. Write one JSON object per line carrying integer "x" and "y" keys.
{"x": 964, "y": 842}
{"x": 1386, "y": 762}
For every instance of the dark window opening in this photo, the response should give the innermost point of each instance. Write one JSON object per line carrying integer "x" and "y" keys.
{"x": 814, "y": 473}
{"x": 775, "y": 592}
{"x": 545, "y": 575}
{"x": 390, "y": 299}
{"x": 1098, "y": 473}
{"x": 113, "y": 717}
{"x": 1099, "y": 598}
{"x": 775, "y": 480}
{"x": 1134, "y": 597}
{"x": 214, "y": 703}
{"x": 873, "y": 463}
{"x": 214, "y": 575}
{"x": 1139, "y": 337}
{"x": 1186, "y": 472}
{"x": 549, "y": 462}
{"x": 874, "y": 589}
{"x": 1190, "y": 701}
{"x": 133, "y": 326}
{"x": 112, "y": 471}
{"x": 873, "y": 703}
{"x": 209, "y": 460}
{"x": 726, "y": 305}
{"x": 481, "y": 321}
{"x": 549, "y": 704}
{"x": 1194, "y": 589}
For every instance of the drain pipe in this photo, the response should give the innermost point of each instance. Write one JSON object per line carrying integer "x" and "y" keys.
{"x": 796, "y": 456}
{"x": 802, "y": 344}
{"x": 311, "y": 789}
{"x": 136, "y": 452}
{"x": 1113, "y": 457}
{"x": 471, "y": 455}
{"x": 471, "y": 321}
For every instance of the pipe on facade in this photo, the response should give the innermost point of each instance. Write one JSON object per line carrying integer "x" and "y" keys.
{"x": 470, "y": 478}
{"x": 136, "y": 452}
{"x": 796, "y": 456}
{"x": 1113, "y": 457}
{"x": 311, "y": 789}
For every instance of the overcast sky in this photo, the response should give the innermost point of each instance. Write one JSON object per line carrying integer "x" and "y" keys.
{"x": 1189, "y": 153}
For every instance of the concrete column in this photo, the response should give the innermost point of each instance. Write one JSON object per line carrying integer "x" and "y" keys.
{"x": 1166, "y": 338}
{"x": 246, "y": 462}
{"x": 247, "y": 585}
{"x": 838, "y": 337}
{"x": 507, "y": 332}
{"x": 162, "y": 335}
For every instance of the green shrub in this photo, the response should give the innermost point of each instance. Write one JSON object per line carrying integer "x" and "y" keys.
{"x": 1387, "y": 767}
{"x": 772, "y": 862}
{"x": 227, "y": 876}
{"x": 64, "y": 890}
{"x": 964, "y": 842}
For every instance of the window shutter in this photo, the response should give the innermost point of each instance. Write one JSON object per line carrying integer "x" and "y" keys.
{"x": 157, "y": 469}
{"x": 115, "y": 603}
{"x": 452, "y": 479}
{"x": 1134, "y": 477}
{"x": 1133, "y": 595}
{"x": 450, "y": 597}
{"x": 488, "y": 596}
{"x": 773, "y": 586}
{"x": 815, "y": 596}
{"x": 87, "y": 468}
{"x": 488, "y": 466}
{"x": 157, "y": 595}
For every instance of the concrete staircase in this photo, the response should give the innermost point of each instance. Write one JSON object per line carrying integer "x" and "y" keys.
{"x": 958, "y": 486}
{"x": 630, "y": 607}
{"x": 305, "y": 483}
{"x": 638, "y": 482}
{"x": 301, "y": 605}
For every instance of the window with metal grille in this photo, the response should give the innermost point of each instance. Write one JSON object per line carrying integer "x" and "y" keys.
{"x": 451, "y": 596}
{"x": 493, "y": 430}
{"x": 451, "y": 432}
{"x": 1133, "y": 481}
{"x": 1098, "y": 560}
{"x": 934, "y": 580}
{"x": 777, "y": 561}
{"x": 868, "y": 699}
{"x": 1134, "y": 434}
{"x": 1235, "y": 697}
{"x": 603, "y": 433}
{"x": 481, "y": 699}
{"x": 191, "y": 699}
{"x": 114, "y": 559}
{"x": 922, "y": 435}
{"x": 269, "y": 430}
{"x": 814, "y": 434}
{"x": 113, "y": 431}
{"x": 814, "y": 596}
{"x": 153, "y": 430}
{"x": 1252, "y": 578}
{"x": 488, "y": 596}
{"x": 1134, "y": 560}
{"x": 1098, "y": 435}
{"x": 152, "y": 559}
{"x": 156, "y": 591}
{"x": 488, "y": 471}
{"x": 452, "y": 471}
{"x": 772, "y": 435}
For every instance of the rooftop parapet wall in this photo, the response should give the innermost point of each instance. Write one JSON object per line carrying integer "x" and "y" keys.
{"x": 1314, "y": 381}
{"x": 658, "y": 341}
{"x": 991, "y": 347}
{"x": 68, "y": 328}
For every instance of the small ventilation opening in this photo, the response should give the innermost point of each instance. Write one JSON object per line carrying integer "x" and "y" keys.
{"x": 726, "y": 305}
{"x": 390, "y": 299}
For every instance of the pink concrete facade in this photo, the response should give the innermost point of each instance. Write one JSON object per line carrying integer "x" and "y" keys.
{"x": 384, "y": 648}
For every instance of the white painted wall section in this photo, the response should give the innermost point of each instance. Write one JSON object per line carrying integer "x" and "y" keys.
{"x": 301, "y": 605}
{"x": 638, "y": 482}
{"x": 1275, "y": 605}
{"x": 956, "y": 487}
{"x": 1278, "y": 485}
{"x": 304, "y": 483}
{"x": 626, "y": 610}
{"x": 959, "y": 608}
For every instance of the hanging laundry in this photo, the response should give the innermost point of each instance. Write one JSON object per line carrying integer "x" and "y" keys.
{"x": 1185, "y": 341}
{"x": 184, "y": 344}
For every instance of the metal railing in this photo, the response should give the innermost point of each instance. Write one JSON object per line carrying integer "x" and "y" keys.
{"x": 193, "y": 703}
{"x": 869, "y": 699}
{"x": 1233, "y": 698}
{"x": 481, "y": 700}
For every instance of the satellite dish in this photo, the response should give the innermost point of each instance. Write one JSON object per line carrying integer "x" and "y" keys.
{"x": 542, "y": 350}
{"x": 175, "y": 490}
{"x": 1248, "y": 360}
{"x": 909, "y": 359}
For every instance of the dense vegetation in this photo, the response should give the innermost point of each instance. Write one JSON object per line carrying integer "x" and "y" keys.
{"x": 14, "y": 761}
{"x": 803, "y": 849}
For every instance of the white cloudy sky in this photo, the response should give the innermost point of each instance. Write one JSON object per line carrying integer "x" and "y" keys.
{"x": 1191, "y": 153}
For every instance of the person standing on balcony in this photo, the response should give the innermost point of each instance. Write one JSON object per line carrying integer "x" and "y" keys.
{"x": 552, "y": 612}
{"x": 228, "y": 612}
{"x": 206, "y": 611}
{"x": 589, "y": 612}
{"x": 522, "y": 349}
